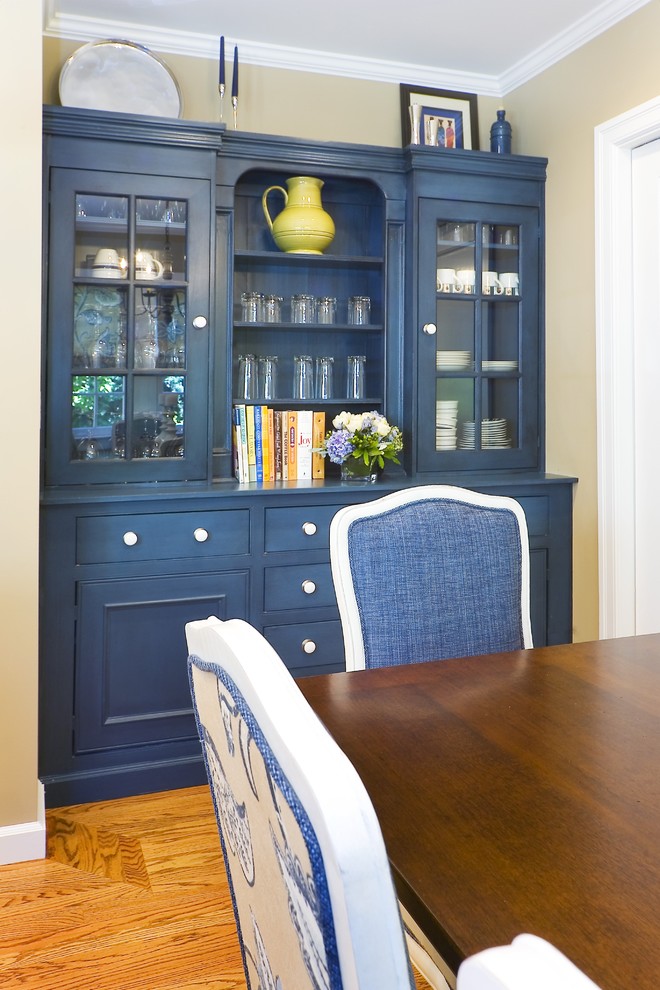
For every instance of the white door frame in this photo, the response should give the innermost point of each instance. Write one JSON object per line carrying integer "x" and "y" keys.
{"x": 615, "y": 365}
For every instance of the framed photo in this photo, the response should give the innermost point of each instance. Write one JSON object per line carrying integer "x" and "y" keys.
{"x": 446, "y": 119}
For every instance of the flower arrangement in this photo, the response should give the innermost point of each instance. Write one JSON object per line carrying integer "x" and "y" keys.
{"x": 366, "y": 437}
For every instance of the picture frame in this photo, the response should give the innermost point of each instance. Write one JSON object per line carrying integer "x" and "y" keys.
{"x": 459, "y": 109}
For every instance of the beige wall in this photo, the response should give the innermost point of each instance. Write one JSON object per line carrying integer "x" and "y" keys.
{"x": 555, "y": 115}
{"x": 20, "y": 265}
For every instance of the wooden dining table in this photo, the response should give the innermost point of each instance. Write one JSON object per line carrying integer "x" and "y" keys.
{"x": 517, "y": 792}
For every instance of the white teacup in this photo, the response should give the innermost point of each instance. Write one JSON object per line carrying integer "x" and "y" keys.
{"x": 510, "y": 282}
{"x": 146, "y": 266}
{"x": 445, "y": 279}
{"x": 465, "y": 279}
{"x": 490, "y": 283}
{"x": 106, "y": 264}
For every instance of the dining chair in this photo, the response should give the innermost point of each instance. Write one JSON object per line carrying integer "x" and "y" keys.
{"x": 529, "y": 961}
{"x": 310, "y": 882}
{"x": 428, "y": 573}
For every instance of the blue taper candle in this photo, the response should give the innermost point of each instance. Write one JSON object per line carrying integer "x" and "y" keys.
{"x": 221, "y": 75}
{"x": 234, "y": 81}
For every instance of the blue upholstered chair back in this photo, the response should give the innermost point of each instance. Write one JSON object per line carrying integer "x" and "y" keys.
{"x": 310, "y": 882}
{"x": 430, "y": 573}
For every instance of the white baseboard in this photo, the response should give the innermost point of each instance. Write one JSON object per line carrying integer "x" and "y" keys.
{"x": 26, "y": 840}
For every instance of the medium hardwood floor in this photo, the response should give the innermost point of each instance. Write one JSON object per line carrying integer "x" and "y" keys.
{"x": 132, "y": 896}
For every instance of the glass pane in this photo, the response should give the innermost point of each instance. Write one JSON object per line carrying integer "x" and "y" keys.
{"x": 97, "y": 408}
{"x": 160, "y": 328}
{"x": 499, "y": 407}
{"x": 158, "y": 423}
{"x": 455, "y": 256}
{"x": 454, "y": 405}
{"x": 501, "y": 260}
{"x": 455, "y": 337}
{"x": 99, "y": 327}
{"x": 160, "y": 244}
{"x": 101, "y": 247}
{"x": 500, "y": 337}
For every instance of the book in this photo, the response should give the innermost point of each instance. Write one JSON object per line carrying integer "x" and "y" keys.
{"x": 241, "y": 442}
{"x": 277, "y": 428}
{"x": 258, "y": 444}
{"x": 265, "y": 443}
{"x": 252, "y": 464}
{"x": 235, "y": 446}
{"x": 304, "y": 423}
{"x": 318, "y": 436}
{"x": 292, "y": 428}
{"x": 271, "y": 445}
{"x": 284, "y": 419}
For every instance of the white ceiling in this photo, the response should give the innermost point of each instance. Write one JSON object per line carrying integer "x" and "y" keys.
{"x": 481, "y": 46}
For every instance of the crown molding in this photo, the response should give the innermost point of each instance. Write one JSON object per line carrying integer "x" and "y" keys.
{"x": 578, "y": 34}
{"x": 165, "y": 41}
{"x": 198, "y": 45}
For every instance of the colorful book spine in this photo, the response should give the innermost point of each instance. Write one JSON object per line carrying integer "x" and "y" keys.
{"x": 292, "y": 431}
{"x": 252, "y": 462}
{"x": 271, "y": 445}
{"x": 258, "y": 445}
{"x": 245, "y": 468}
{"x": 318, "y": 436}
{"x": 284, "y": 419}
{"x": 277, "y": 426}
{"x": 304, "y": 423}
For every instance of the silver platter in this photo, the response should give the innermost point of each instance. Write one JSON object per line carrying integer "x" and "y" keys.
{"x": 119, "y": 76}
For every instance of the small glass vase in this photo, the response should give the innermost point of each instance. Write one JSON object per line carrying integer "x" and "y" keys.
{"x": 355, "y": 471}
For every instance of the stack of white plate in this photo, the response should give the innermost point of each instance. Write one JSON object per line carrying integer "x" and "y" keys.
{"x": 446, "y": 415}
{"x": 499, "y": 365}
{"x": 494, "y": 434}
{"x": 453, "y": 360}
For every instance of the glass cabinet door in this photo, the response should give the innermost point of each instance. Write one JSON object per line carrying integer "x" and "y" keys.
{"x": 478, "y": 339}
{"x": 126, "y": 396}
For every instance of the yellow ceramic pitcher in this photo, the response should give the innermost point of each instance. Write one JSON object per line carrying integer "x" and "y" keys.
{"x": 303, "y": 226}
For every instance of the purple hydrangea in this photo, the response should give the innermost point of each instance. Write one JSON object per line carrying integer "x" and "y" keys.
{"x": 339, "y": 446}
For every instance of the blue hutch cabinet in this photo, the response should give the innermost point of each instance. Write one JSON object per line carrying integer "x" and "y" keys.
{"x": 154, "y": 233}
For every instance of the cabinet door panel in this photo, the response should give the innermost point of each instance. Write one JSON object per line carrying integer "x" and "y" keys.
{"x": 478, "y": 333}
{"x": 127, "y": 369}
{"x": 132, "y": 680}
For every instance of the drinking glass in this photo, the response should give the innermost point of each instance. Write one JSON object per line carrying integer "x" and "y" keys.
{"x": 247, "y": 377}
{"x": 359, "y": 310}
{"x": 324, "y": 367}
{"x": 355, "y": 377}
{"x": 326, "y": 309}
{"x": 303, "y": 309}
{"x": 252, "y": 307}
{"x": 302, "y": 377}
{"x": 268, "y": 377}
{"x": 272, "y": 309}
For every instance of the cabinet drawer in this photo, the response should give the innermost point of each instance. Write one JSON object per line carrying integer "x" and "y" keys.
{"x": 299, "y": 528}
{"x": 161, "y": 536}
{"x": 537, "y": 514}
{"x": 298, "y": 586}
{"x": 309, "y": 647}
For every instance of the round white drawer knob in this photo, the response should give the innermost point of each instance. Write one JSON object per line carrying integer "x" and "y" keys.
{"x": 309, "y": 528}
{"x": 199, "y": 322}
{"x": 130, "y": 538}
{"x": 309, "y": 646}
{"x": 201, "y": 535}
{"x": 430, "y": 329}
{"x": 308, "y": 587}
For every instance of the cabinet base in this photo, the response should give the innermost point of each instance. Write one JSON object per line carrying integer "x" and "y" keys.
{"x": 62, "y": 790}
